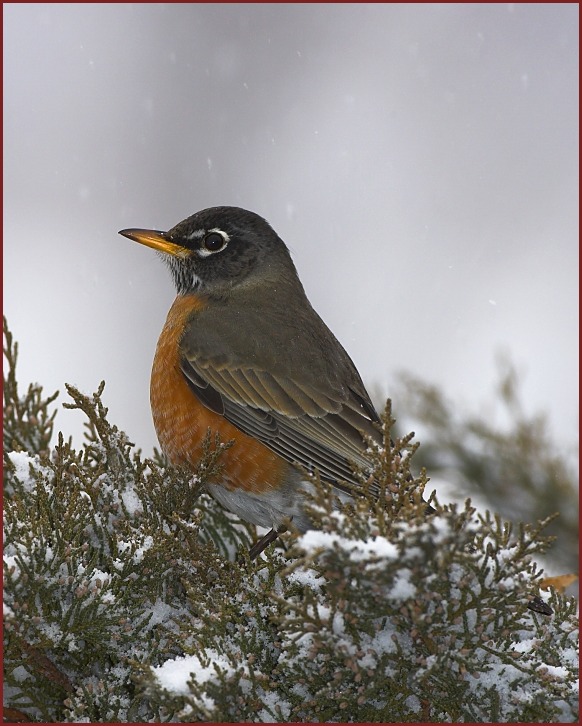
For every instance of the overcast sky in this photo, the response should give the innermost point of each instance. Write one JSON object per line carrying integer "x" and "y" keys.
{"x": 420, "y": 161}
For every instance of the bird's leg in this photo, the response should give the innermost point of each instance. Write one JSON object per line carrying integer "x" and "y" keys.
{"x": 265, "y": 541}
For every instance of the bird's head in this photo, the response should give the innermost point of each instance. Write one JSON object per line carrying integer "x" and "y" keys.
{"x": 219, "y": 249}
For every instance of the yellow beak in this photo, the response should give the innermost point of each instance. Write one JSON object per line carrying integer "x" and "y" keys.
{"x": 156, "y": 240}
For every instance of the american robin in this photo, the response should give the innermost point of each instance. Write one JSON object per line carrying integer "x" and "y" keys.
{"x": 244, "y": 353}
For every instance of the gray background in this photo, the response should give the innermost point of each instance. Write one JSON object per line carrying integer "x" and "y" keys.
{"x": 421, "y": 162}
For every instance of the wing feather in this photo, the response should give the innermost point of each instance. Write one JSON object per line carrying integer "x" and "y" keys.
{"x": 311, "y": 409}
{"x": 288, "y": 418}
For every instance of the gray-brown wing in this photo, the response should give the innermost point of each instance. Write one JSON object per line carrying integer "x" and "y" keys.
{"x": 270, "y": 366}
{"x": 306, "y": 425}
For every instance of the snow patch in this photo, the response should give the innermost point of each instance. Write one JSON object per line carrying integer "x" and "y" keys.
{"x": 22, "y": 461}
{"x": 175, "y": 674}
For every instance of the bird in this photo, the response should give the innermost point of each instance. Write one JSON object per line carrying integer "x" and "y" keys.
{"x": 243, "y": 353}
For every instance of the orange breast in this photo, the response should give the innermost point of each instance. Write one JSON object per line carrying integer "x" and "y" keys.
{"x": 181, "y": 421}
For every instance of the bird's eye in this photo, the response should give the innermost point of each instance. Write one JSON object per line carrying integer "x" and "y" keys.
{"x": 213, "y": 242}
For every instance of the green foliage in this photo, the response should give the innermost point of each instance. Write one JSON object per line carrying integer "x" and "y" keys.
{"x": 516, "y": 468}
{"x": 28, "y": 423}
{"x": 122, "y": 578}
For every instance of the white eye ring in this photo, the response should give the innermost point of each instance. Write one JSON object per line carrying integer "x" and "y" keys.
{"x": 214, "y": 240}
